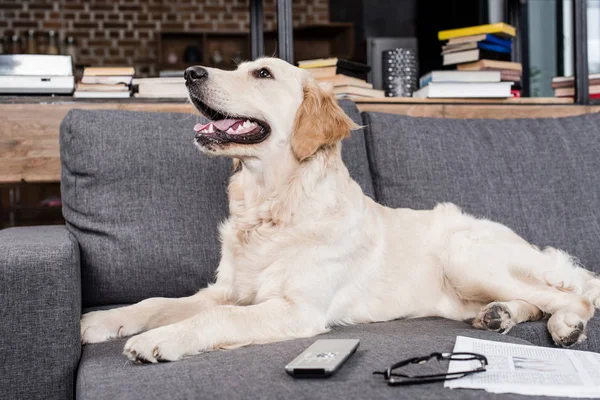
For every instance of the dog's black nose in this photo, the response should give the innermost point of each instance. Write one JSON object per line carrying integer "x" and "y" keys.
{"x": 195, "y": 74}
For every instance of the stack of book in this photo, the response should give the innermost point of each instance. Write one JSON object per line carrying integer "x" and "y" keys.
{"x": 463, "y": 84}
{"x": 173, "y": 88}
{"x": 485, "y": 48}
{"x": 105, "y": 82}
{"x": 564, "y": 86}
{"x": 343, "y": 78}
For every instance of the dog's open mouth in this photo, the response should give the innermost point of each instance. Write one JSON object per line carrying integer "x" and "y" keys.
{"x": 222, "y": 129}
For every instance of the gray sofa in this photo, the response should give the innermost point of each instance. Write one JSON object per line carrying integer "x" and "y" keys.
{"x": 142, "y": 207}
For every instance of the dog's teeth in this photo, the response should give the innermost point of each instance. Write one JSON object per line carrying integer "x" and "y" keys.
{"x": 211, "y": 128}
{"x": 239, "y": 128}
{"x": 230, "y": 130}
{"x": 247, "y": 123}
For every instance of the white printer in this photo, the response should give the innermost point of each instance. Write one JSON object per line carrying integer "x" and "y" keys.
{"x": 36, "y": 74}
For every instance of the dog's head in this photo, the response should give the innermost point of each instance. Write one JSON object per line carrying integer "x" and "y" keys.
{"x": 264, "y": 108}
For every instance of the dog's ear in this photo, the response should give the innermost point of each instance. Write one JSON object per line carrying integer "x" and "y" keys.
{"x": 320, "y": 122}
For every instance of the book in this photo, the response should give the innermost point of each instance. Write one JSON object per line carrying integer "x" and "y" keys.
{"x": 163, "y": 90}
{"x": 500, "y": 29}
{"x": 101, "y": 95}
{"x": 329, "y": 72}
{"x": 161, "y": 95}
{"x": 476, "y": 45}
{"x": 167, "y": 73}
{"x": 108, "y": 71}
{"x": 510, "y": 76}
{"x": 341, "y": 80}
{"x": 350, "y": 90}
{"x": 464, "y": 90}
{"x": 491, "y": 64}
{"x": 570, "y": 91}
{"x": 318, "y": 62}
{"x": 323, "y": 72}
{"x": 83, "y": 87}
{"x": 140, "y": 81}
{"x": 569, "y": 81}
{"x": 172, "y": 87}
{"x": 474, "y": 55}
{"x": 107, "y": 80}
{"x": 320, "y": 68}
{"x": 480, "y": 38}
{"x": 460, "y": 76}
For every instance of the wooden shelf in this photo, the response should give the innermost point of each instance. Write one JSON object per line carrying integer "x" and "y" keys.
{"x": 29, "y": 148}
{"x": 334, "y": 39}
{"x": 513, "y": 101}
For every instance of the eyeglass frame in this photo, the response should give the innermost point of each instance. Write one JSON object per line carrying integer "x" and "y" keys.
{"x": 422, "y": 379}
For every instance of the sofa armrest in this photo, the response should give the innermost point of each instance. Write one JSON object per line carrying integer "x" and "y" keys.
{"x": 40, "y": 308}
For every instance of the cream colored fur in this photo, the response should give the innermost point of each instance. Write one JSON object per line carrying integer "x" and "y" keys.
{"x": 304, "y": 249}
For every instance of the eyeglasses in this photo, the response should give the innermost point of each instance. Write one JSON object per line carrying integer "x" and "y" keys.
{"x": 406, "y": 379}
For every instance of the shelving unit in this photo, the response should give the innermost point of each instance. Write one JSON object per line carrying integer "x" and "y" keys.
{"x": 310, "y": 41}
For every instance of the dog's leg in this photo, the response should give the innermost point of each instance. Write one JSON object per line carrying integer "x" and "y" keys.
{"x": 226, "y": 327}
{"x": 481, "y": 267}
{"x": 591, "y": 288}
{"x": 570, "y": 311}
{"x": 99, "y": 326}
{"x": 502, "y": 316}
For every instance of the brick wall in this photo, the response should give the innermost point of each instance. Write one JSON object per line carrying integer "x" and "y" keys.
{"x": 124, "y": 32}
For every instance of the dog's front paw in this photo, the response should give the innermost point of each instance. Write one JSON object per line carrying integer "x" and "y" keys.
{"x": 100, "y": 326}
{"x": 167, "y": 343}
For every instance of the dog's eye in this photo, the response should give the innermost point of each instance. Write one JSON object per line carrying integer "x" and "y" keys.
{"x": 263, "y": 73}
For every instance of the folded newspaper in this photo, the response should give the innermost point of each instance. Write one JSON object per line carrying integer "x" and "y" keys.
{"x": 530, "y": 370}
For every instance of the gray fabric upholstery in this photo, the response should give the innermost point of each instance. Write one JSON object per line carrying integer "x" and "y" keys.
{"x": 537, "y": 333}
{"x": 40, "y": 306}
{"x": 145, "y": 205}
{"x": 538, "y": 176}
{"x": 258, "y": 371}
{"x": 354, "y": 151}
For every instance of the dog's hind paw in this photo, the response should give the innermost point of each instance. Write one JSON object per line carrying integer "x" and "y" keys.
{"x": 494, "y": 317}
{"x": 567, "y": 329}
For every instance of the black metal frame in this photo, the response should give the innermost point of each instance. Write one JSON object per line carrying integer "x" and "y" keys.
{"x": 560, "y": 39}
{"x": 257, "y": 40}
{"x": 285, "y": 30}
{"x": 518, "y": 14}
{"x": 582, "y": 95}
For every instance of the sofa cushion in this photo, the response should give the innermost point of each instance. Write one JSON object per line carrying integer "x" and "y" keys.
{"x": 258, "y": 372}
{"x": 537, "y": 333}
{"x": 540, "y": 177}
{"x": 145, "y": 204}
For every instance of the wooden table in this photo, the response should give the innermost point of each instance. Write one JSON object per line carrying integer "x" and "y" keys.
{"x": 29, "y": 125}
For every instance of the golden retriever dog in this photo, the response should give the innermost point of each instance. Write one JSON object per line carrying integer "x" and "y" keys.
{"x": 304, "y": 249}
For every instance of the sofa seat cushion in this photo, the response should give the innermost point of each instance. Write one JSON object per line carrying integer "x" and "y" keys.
{"x": 540, "y": 177}
{"x": 144, "y": 204}
{"x": 258, "y": 371}
{"x": 537, "y": 333}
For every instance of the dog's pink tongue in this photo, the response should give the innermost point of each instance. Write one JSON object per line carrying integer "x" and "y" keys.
{"x": 224, "y": 124}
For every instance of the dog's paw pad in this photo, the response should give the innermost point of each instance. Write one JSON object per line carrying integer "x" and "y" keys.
{"x": 567, "y": 329}
{"x": 576, "y": 336}
{"x": 494, "y": 317}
